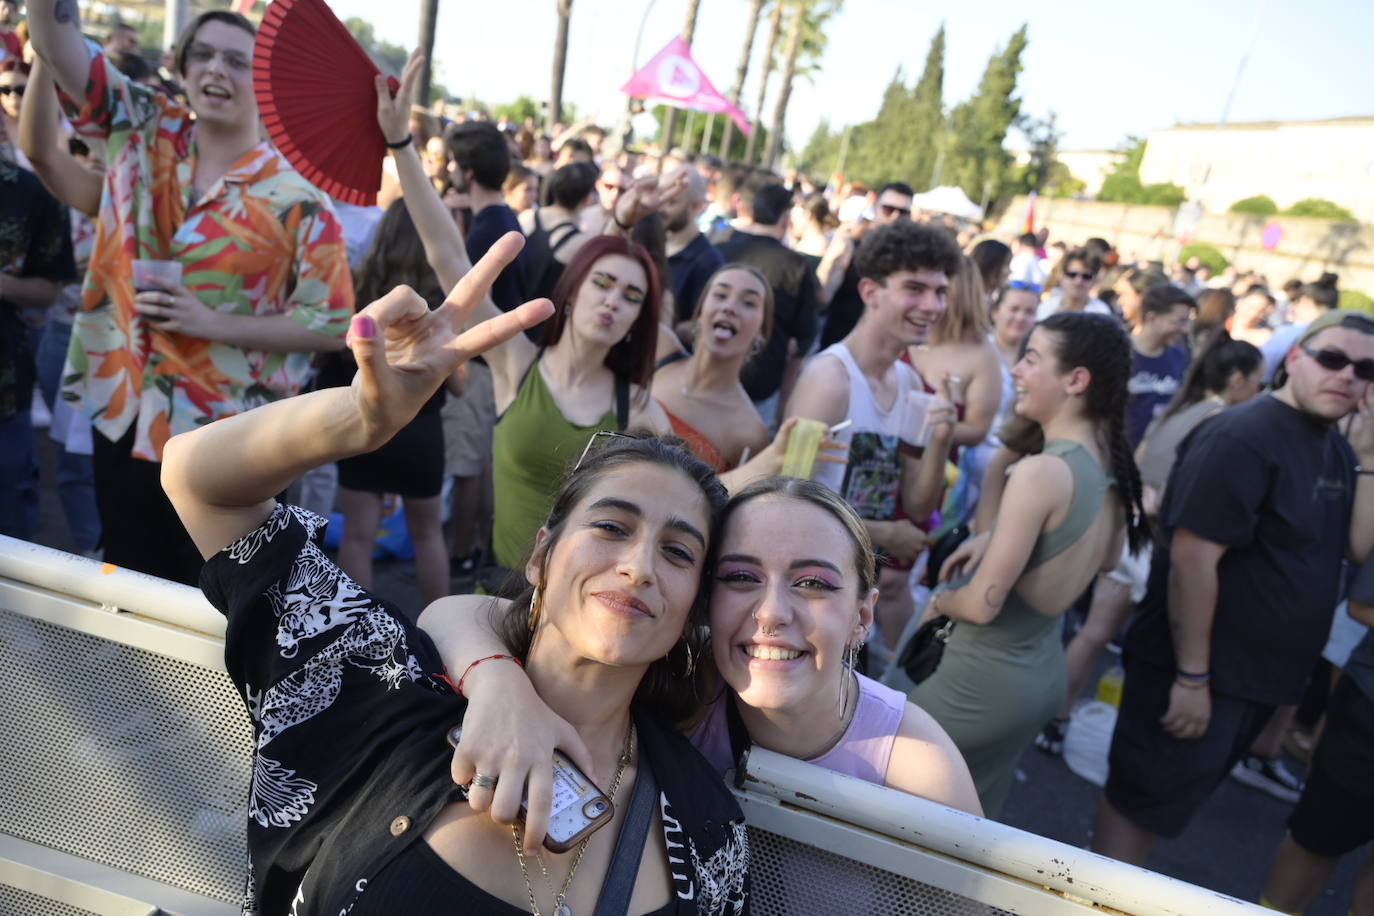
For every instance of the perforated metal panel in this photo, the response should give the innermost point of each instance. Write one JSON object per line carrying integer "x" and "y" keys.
{"x": 789, "y": 877}
{"x": 16, "y": 902}
{"x": 131, "y": 759}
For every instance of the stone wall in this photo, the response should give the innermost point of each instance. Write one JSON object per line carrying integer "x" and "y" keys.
{"x": 1308, "y": 246}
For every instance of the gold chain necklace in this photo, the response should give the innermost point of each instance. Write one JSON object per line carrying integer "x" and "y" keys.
{"x": 560, "y": 905}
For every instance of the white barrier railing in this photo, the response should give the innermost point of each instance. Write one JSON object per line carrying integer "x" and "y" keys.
{"x": 151, "y": 698}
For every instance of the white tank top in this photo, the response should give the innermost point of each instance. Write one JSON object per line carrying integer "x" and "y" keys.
{"x": 871, "y": 480}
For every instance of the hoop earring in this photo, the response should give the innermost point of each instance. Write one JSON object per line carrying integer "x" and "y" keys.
{"x": 756, "y": 347}
{"x": 536, "y": 606}
{"x": 690, "y": 668}
{"x": 848, "y": 659}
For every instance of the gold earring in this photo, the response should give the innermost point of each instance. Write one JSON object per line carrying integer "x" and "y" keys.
{"x": 536, "y": 606}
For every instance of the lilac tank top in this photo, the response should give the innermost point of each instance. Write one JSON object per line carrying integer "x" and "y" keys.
{"x": 863, "y": 750}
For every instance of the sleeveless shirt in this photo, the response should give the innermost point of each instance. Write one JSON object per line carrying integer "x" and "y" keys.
{"x": 533, "y": 447}
{"x": 863, "y": 751}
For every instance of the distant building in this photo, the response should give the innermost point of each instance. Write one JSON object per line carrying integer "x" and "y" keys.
{"x": 1089, "y": 166}
{"x": 1286, "y": 160}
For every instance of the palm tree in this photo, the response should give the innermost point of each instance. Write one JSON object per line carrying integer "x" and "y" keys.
{"x": 688, "y": 30}
{"x": 774, "y": 26}
{"x": 741, "y": 71}
{"x": 806, "y": 41}
{"x": 789, "y": 71}
{"x": 560, "y": 60}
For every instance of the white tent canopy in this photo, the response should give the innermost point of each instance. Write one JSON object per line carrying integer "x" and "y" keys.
{"x": 949, "y": 200}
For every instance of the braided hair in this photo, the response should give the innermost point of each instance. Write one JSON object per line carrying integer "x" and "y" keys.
{"x": 1098, "y": 344}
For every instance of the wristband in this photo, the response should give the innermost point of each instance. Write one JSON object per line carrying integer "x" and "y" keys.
{"x": 400, "y": 144}
{"x": 1360, "y": 470}
{"x": 1192, "y": 685}
{"x": 458, "y": 689}
{"x": 615, "y": 218}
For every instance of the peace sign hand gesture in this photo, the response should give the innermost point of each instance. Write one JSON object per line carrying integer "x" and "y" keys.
{"x": 405, "y": 351}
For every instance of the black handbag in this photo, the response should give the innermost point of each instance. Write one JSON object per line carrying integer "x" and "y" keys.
{"x": 922, "y": 653}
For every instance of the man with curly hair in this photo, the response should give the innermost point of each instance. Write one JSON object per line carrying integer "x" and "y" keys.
{"x": 891, "y": 479}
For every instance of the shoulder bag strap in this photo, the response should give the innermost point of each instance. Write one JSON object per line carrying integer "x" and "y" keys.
{"x": 619, "y": 884}
{"x": 622, "y": 403}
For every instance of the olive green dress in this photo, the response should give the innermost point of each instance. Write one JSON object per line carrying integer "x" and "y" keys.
{"x": 997, "y": 685}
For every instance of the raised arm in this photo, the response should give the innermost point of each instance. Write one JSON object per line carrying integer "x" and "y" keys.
{"x": 1362, "y": 514}
{"x": 222, "y": 477}
{"x": 65, "y": 178}
{"x": 55, "y": 30}
{"x": 443, "y": 243}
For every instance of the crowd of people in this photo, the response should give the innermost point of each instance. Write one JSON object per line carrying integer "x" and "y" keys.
{"x": 582, "y": 365}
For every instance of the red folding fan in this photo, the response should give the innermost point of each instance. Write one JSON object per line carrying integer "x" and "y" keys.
{"x": 315, "y": 92}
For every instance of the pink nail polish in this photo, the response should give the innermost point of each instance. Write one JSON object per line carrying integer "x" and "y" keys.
{"x": 364, "y": 327}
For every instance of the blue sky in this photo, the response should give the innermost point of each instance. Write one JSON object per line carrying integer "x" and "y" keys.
{"x": 1105, "y": 72}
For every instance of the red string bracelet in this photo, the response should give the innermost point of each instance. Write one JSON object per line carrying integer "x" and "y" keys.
{"x": 458, "y": 689}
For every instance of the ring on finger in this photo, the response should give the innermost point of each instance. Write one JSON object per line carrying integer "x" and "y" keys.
{"x": 483, "y": 781}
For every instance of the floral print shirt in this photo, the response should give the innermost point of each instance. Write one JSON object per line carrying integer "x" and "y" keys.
{"x": 261, "y": 241}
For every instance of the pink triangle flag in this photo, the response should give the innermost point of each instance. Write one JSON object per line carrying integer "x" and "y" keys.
{"x": 673, "y": 78}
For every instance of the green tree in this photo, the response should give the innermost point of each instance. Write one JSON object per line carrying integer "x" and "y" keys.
{"x": 1259, "y": 205}
{"x": 1354, "y": 299}
{"x": 928, "y": 116}
{"x": 1321, "y": 209}
{"x": 1209, "y": 255}
{"x": 1122, "y": 184}
{"x": 389, "y": 58}
{"x": 741, "y": 71}
{"x": 821, "y": 154}
{"x": 977, "y": 160}
{"x": 517, "y": 111}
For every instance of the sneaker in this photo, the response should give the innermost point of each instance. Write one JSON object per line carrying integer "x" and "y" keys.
{"x": 1051, "y": 737}
{"x": 1271, "y": 776}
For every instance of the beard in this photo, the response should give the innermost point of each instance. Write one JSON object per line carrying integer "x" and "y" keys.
{"x": 678, "y": 221}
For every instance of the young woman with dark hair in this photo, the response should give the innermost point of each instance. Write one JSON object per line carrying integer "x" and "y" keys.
{"x": 351, "y": 808}
{"x": 1002, "y": 675}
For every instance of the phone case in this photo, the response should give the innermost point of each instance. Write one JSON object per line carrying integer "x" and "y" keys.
{"x": 579, "y": 808}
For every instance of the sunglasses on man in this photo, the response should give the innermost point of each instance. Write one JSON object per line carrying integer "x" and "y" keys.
{"x": 1335, "y": 361}
{"x": 12, "y": 90}
{"x": 890, "y": 210}
{"x": 1075, "y": 275}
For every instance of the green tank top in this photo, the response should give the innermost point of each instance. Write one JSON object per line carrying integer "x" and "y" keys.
{"x": 533, "y": 448}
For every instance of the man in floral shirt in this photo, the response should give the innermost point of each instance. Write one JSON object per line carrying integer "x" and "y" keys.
{"x": 265, "y": 279}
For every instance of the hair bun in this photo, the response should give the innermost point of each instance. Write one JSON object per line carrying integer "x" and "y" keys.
{"x": 1328, "y": 280}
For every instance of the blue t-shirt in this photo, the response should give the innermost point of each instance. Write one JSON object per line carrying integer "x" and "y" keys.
{"x": 1154, "y": 382}
{"x": 488, "y": 225}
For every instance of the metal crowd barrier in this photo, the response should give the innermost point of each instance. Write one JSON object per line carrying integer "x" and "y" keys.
{"x": 124, "y": 769}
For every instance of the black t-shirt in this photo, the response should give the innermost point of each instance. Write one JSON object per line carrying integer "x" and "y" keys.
{"x": 794, "y": 305}
{"x": 846, "y": 307}
{"x": 349, "y": 714}
{"x": 1276, "y": 487}
{"x": 35, "y": 241}
{"x": 691, "y": 268}
{"x": 488, "y": 225}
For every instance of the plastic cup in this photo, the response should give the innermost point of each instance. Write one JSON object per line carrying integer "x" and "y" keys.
{"x": 156, "y": 276}
{"x": 914, "y": 428}
{"x": 802, "y": 445}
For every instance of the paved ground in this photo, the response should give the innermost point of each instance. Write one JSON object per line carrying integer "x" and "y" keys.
{"x": 1227, "y": 848}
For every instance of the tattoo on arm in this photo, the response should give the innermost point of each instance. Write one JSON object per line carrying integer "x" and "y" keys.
{"x": 994, "y": 597}
{"x": 64, "y": 11}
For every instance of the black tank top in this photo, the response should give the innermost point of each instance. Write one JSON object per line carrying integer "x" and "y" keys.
{"x": 417, "y": 880}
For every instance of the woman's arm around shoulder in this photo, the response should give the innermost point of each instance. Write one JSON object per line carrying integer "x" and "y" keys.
{"x": 509, "y": 732}
{"x": 926, "y": 763}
